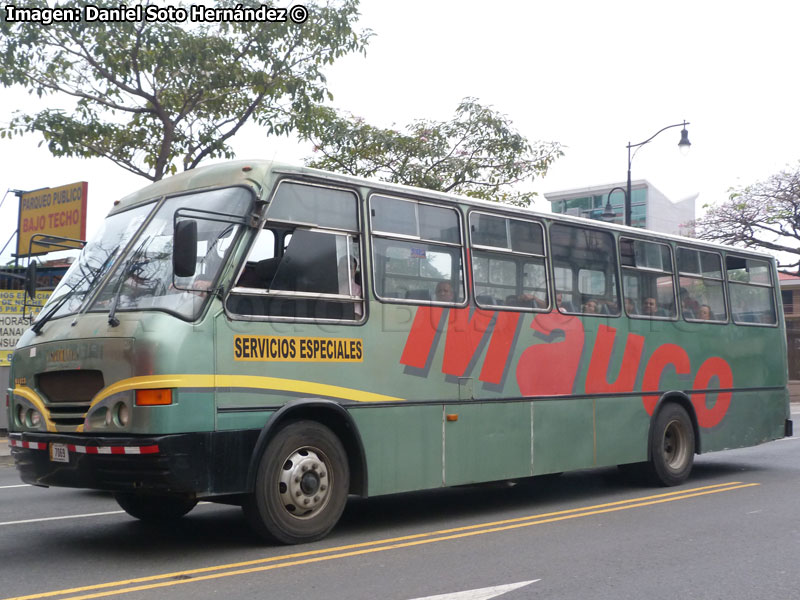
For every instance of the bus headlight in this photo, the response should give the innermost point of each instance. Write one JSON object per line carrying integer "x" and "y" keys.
{"x": 122, "y": 414}
{"x": 98, "y": 419}
{"x": 35, "y": 418}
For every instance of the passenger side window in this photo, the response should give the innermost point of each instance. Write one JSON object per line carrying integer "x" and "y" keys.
{"x": 751, "y": 292}
{"x": 508, "y": 262}
{"x": 306, "y": 262}
{"x": 417, "y": 251}
{"x": 584, "y": 269}
{"x": 647, "y": 283}
{"x": 700, "y": 282}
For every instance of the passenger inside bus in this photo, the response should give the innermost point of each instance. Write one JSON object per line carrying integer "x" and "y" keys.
{"x": 444, "y": 292}
{"x": 650, "y": 308}
{"x": 704, "y": 313}
{"x": 590, "y": 307}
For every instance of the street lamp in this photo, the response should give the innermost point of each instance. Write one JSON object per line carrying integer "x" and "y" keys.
{"x": 608, "y": 212}
{"x": 683, "y": 146}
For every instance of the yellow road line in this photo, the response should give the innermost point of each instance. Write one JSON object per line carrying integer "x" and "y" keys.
{"x": 313, "y": 556}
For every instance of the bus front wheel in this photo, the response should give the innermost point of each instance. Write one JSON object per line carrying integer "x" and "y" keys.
{"x": 671, "y": 446}
{"x": 301, "y": 484}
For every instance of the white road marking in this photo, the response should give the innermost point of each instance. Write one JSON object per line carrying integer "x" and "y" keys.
{"x": 481, "y": 594}
{"x": 41, "y": 520}
{"x": 8, "y": 487}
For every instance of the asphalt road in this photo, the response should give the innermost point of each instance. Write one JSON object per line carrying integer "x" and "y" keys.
{"x": 732, "y": 531}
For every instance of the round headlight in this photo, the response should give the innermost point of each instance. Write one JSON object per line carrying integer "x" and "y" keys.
{"x": 20, "y": 414}
{"x": 98, "y": 419}
{"x": 123, "y": 414}
{"x": 34, "y": 419}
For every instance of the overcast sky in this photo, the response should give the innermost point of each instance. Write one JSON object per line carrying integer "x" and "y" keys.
{"x": 591, "y": 75}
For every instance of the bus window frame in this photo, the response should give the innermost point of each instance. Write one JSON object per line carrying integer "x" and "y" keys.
{"x": 159, "y": 201}
{"x": 675, "y": 300}
{"x": 259, "y": 292}
{"x": 770, "y": 286}
{"x": 576, "y": 289}
{"x": 373, "y": 233}
{"x": 506, "y": 252}
{"x": 725, "y": 300}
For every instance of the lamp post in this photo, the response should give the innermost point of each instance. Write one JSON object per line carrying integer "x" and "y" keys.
{"x": 608, "y": 212}
{"x": 683, "y": 145}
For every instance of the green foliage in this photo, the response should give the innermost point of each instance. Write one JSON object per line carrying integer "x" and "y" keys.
{"x": 763, "y": 215}
{"x": 155, "y": 96}
{"x": 477, "y": 153}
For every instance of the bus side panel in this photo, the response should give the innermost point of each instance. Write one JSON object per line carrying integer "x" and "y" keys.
{"x": 754, "y": 417}
{"x": 622, "y": 431}
{"x": 563, "y": 435}
{"x": 403, "y": 445}
{"x": 235, "y": 421}
{"x": 487, "y": 442}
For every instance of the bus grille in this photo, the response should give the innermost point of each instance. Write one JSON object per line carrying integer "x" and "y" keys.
{"x": 69, "y": 393}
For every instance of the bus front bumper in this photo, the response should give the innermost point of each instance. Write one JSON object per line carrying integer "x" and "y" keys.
{"x": 167, "y": 464}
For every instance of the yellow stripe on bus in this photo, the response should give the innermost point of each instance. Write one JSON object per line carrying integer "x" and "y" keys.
{"x": 276, "y": 384}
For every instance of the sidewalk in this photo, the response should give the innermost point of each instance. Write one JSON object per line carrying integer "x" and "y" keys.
{"x": 5, "y": 452}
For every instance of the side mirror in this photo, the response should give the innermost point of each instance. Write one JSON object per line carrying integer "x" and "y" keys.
{"x": 30, "y": 280}
{"x": 184, "y": 248}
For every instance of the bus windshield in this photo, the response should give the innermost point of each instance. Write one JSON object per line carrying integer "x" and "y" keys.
{"x": 94, "y": 261}
{"x": 144, "y": 280}
{"x": 143, "y": 275}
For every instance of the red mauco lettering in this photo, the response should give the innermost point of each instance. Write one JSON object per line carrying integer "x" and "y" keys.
{"x": 550, "y": 367}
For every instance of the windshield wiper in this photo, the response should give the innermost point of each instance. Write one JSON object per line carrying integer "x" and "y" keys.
{"x": 95, "y": 275}
{"x": 126, "y": 271}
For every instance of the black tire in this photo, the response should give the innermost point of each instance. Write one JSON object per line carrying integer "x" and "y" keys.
{"x": 154, "y": 509}
{"x": 671, "y": 446}
{"x": 301, "y": 485}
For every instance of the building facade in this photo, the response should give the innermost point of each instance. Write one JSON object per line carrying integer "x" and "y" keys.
{"x": 790, "y": 294}
{"x": 650, "y": 209}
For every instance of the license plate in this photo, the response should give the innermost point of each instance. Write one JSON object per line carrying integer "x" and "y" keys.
{"x": 59, "y": 453}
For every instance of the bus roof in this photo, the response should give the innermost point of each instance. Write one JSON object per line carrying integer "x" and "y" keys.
{"x": 254, "y": 173}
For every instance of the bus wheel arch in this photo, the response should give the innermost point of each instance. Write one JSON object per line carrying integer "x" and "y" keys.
{"x": 673, "y": 440}
{"x": 328, "y": 413}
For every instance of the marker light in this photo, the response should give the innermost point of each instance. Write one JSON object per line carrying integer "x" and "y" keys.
{"x": 153, "y": 397}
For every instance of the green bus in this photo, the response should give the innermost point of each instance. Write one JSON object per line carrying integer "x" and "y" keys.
{"x": 279, "y": 338}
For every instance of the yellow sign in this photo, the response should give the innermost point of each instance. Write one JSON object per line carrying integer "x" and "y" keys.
{"x": 57, "y": 211}
{"x": 297, "y": 349}
{"x": 13, "y": 320}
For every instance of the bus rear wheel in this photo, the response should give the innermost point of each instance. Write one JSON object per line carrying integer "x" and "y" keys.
{"x": 671, "y": 446}
{"x": 154, "y": 509}
{"x": 301, "y": 485}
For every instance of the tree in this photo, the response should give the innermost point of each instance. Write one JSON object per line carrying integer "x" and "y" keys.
{"x": 763, "y": 215}
{"x": 152, "y": 95}
{"x": 477, "y": 153}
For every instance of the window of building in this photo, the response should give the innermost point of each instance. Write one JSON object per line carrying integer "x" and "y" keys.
{"x": 417, "y": 251}
{"x": 750, "y": 290}
{"x": 700, "y": 281}
{"x": 508, "y": 265}
{"x": 584, "y": 270}
{"x": 647, "y": 283}
{"x": 788, "y": 301}
{"x": 306, "y": 261}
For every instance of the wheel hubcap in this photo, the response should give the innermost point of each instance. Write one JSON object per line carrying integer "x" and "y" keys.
{"x": 675, "y": 446}
{"x": 305, "y": 482}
